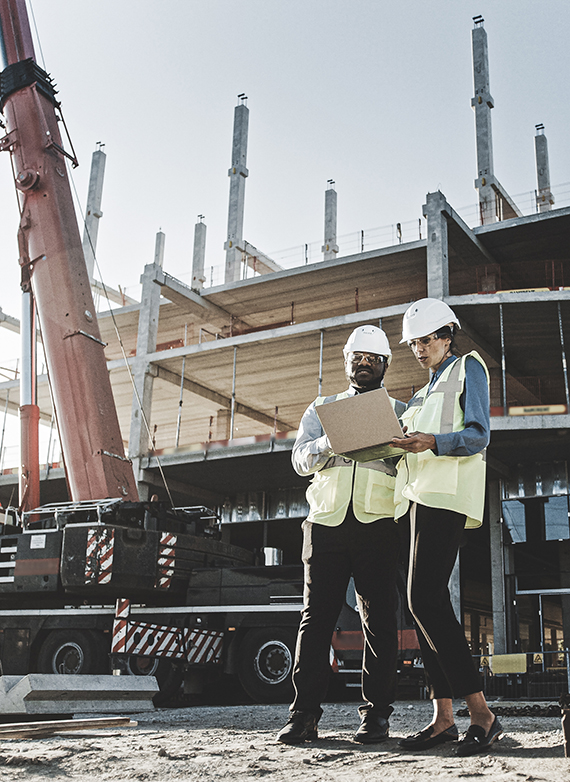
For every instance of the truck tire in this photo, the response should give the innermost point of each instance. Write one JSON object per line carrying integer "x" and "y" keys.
{"x": 71, "y": 651}
{"x": 265, "y": 664}
{"x": 168, "y": 675}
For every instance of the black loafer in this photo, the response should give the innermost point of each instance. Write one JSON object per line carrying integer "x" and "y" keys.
{"x": 372, "y": 730}
{"x": 476, "y": 740}
{"x": 425, "y": 740}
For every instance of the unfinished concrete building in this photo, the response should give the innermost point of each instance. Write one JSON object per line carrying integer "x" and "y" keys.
{"x": 221, "y": 376}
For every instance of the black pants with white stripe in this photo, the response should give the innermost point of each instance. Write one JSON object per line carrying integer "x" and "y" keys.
{"x": 432, "y": 539}
{"x": 369, "y": 552}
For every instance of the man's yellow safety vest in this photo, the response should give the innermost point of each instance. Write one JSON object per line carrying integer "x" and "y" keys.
{"x": 370, "y": 485}
{"x": 454, "y": 483}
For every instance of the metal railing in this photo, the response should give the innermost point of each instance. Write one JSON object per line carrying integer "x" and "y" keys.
{"x": 547, "y": 677}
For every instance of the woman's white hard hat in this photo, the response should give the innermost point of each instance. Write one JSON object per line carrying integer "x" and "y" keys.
{"x": 369, "y": 339}
{"x": 426, "y": 316}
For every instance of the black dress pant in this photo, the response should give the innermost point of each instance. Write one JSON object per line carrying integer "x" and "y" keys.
{"x": 369, "y": 552}
{"x": 432, "y": 539}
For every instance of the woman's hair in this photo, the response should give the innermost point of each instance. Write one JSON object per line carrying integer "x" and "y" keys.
{"x": 447, "y": 332}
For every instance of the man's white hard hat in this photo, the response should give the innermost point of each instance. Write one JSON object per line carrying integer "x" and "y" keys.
{"x": 426, "y": 316}
{"x": 369, "y": 339}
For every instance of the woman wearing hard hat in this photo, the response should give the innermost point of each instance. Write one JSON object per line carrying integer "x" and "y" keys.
{"x": 440, "y": 490}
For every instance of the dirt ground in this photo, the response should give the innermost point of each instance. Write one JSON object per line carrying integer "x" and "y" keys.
{"x": 238, "y": 742}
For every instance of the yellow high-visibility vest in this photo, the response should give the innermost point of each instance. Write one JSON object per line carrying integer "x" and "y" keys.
{"x": 370, "y": 485}
{"x": 454, "y": 483}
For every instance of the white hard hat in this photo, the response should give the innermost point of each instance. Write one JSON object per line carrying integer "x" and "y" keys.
{"x": 369, "y": 339}
{"x": 426, "y": 316}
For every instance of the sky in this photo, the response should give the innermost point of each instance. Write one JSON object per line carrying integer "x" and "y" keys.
{"x": 375, "y": 95}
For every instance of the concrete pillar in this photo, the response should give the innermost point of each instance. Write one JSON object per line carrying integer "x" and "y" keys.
{"x": 238, "y": 174}
{"x": 93, "y": 211}
{"x": 455, "y": 590}
{"x": 482, "y": 104}
{"x": 437, "y": 245}
{"x": 498, "y": 591}
{"x": 330, "y": 247}
{"x": 223, "y": 424}
{"x": 159, "y": 249}
{"x": 143, "y": 372}
{"x": 544, "y": 197}
{"x": 199, "y": 255}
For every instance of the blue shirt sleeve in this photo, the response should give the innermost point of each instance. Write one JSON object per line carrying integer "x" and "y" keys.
{"x": 474, "y": 402}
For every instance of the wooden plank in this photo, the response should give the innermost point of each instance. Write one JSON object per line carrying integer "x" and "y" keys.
{"x": 30, "y": 730}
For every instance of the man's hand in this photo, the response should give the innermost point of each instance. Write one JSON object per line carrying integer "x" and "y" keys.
{"x": 416, "y": 442}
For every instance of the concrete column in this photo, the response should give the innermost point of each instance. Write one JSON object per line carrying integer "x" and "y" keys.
{"x": 482, "y": 104}
{"x": 223, "y": 424}
{"x": 159, "y": 249}
{"x": 455, "y": 590}
{"x": 498, "y": 591}
{"x": 330, "y": 247}
{"x": 143, "y": 372}
{"x": 238, "y": 174}
{"x": 93, "y": 211}
{"x": 544, "y": 197}
{"x": 199, "y": 255}
{"x": 437, "y": 245}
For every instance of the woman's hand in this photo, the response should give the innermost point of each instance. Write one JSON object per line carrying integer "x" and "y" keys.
{"x": 416, "y": 442}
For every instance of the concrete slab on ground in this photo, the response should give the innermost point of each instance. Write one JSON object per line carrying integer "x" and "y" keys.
{"x": 45, "y": 693}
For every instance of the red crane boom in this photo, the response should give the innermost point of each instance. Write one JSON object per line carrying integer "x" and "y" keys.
{"x": 53, "y": 267}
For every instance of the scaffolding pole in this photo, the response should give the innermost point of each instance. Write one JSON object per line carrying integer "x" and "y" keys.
{"x": 232, "y": 419}
{"x": 503, "y": 361}
{"x": 564, "y": 364}
{"x": 180, "y": 401}
{"x": 4, "y": 428}
{"x": 321, "y": 363}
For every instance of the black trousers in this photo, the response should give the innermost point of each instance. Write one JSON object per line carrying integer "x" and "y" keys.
{"x": 432, "y": 540}
{"x": 369, "y": 552}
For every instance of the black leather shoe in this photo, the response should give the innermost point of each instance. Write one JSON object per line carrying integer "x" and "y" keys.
{"x": 372, "y": 730}
{"x": 301, "y": 727}
{"x": 425, "y": 740}
{"x": 476, "y": 740}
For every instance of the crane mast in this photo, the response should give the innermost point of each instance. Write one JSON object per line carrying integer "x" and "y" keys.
{"x": 54, "y": 271}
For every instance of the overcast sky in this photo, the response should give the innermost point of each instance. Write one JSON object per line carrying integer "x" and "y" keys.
{"x": 373, "y": 94}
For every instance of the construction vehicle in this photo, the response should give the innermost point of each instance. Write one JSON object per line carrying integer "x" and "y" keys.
{"x": 146, "y": 589}
{"x": 197, "y": 607}
{"x": 97, "y": 584}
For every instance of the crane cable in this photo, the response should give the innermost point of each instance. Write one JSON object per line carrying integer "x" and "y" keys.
{"x": 120, "y": 341}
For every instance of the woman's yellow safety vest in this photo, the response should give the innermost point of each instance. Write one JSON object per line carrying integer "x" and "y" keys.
{"x": 370, "y": 485}
{"x": 451, "y": 482}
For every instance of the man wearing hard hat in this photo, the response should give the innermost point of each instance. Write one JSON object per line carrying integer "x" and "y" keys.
{"x": 440, "y": 490}
{"x": 349, "y": 531}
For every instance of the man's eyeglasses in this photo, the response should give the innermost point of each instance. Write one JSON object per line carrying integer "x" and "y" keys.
{"x": 372, "y": 358}
{"x": 424, "y": 341}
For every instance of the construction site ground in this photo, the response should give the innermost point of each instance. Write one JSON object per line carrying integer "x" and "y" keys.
{"x": 239, "y": 743}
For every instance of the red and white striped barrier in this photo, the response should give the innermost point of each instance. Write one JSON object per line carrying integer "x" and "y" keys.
{"x": 166, "y": 560}
{"x": 118, "y": 643}
{"x": 194, "y": 645}
{"x": 205, "y": 646}
{"x": 99, "y": 555}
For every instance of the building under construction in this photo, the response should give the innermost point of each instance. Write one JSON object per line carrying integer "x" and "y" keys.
{"x": 210, "y": 382}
